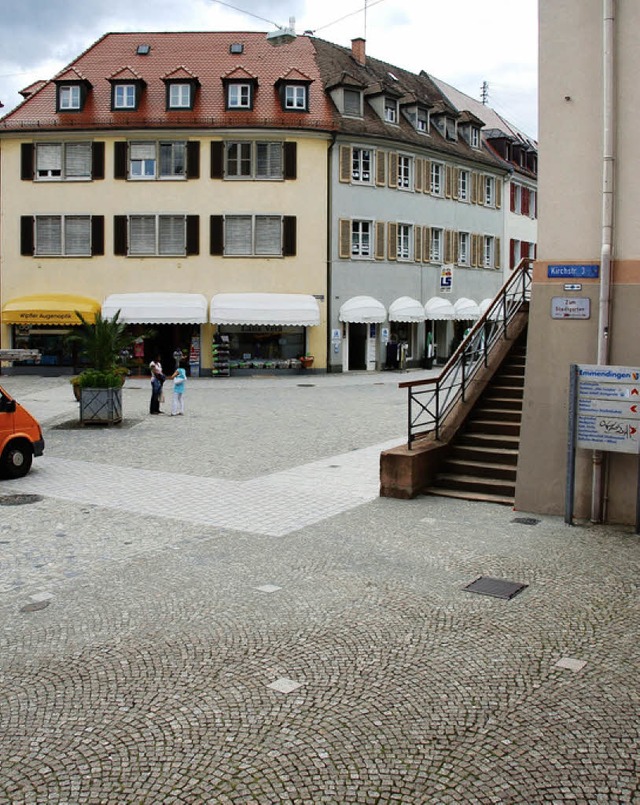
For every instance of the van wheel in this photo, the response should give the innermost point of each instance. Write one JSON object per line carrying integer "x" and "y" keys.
{"x": 16, "y": 460}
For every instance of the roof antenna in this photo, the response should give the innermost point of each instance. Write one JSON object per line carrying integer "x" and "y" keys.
{"x": 484, "y": 93}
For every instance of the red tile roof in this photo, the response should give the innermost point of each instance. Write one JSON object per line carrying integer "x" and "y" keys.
{"x": 205, "y": 55}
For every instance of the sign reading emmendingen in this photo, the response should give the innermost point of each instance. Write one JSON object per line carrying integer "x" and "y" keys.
{"x": 608, "y": 412}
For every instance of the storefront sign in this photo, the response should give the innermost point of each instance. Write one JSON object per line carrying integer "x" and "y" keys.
{"x": 446, "y": 279}
{"x": 570, "y": 307}
{"x": 590, "y": 271}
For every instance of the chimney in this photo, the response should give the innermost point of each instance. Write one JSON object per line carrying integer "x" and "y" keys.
{"x": 358, "y": 50}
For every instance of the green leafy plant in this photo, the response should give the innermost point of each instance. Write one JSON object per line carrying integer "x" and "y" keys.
{"x": 101, "y": 343}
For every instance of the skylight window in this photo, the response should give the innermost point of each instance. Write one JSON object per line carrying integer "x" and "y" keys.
{"x": 391, "y": 75}
{"x": 143, "y": 50}
{"x": 236, "y": 47}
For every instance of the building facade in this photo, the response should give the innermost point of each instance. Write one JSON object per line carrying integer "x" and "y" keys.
{"x": 589, "y": 187}
{"x": 293, "y": 201}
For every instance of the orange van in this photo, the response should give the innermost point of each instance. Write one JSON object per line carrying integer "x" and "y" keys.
{"x": 20, "y": 437}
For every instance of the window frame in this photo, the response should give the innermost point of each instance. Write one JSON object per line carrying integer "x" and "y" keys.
{"x": 157, "y": 174}
{"x": 439, "y": 169}
{"x": 489, "y": 192}
{"x": 64, "y": 235}
{"x": 276, "y": 164}
{"x": 254, "y": 221}
{"x": 158, "y": 218}
{"x": 474, "y": 137}
{"x": 464, "y": 252}
{"x": 355, "y": 94}
{"x": 121, "y": 91}
{"x": 362, "y": 229}
{"x": 488, "y": 251}
{"x": 64, "y": 147}
{"x": 239, "y": 96}
{"x": 290, "y": 96}
{"x": 464, "y": 185}
{"x": 390, "y": 107}
{"x": 436, "y": 245}
{"x": 180, "y": 87}
{"x": 75, "y": 93}
{"x": 361, "y": 155}
{"x": 405, "y": 172}
{"x": 404, "y": 240}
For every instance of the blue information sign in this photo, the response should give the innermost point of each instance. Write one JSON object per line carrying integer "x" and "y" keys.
{"x": 589, "y": 271}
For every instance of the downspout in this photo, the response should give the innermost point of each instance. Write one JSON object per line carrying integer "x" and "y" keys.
{"x": 608, "y": 164}
{"x": 329, "y": 304}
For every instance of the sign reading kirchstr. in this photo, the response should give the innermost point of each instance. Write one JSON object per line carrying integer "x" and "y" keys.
{"x": 608, "y": 408}
{"x": 589, "y": 271}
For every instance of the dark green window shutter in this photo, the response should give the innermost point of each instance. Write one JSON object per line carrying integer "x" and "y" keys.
{"x": 290, "y": 160}
{"x": 216, "y": 234}
{"x": 289, "y": 235}
{"x": 120, "y": 160}
{"x": 120, "y": 234}
{"x": 193, "y": 234}
{"x": 217, "y": 160}
{"x": 26, "y": 167}
{"x": 26, "y": 235}
{"x": 193, "y": 159}
{"x": 97, "y": 161}
{"x": 97, "y": 234}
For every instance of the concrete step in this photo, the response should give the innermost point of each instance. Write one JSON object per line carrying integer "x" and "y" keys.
{"x": 493, "y": 426}
{"x": 480, "y": 453}
{"x": 504, "y": 391}
{"x": 480, "y": 469}
{"x": 489, "y": 440}
{"x": 471, "y": 483}
{"x": 505, "y": 500}
{"x": 501, "y": 414}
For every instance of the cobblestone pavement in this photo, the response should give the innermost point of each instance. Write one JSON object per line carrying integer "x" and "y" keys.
{"x": 217, "y": 608}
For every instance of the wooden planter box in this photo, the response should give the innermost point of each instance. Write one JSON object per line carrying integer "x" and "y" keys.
{"x": 100, "y": 406}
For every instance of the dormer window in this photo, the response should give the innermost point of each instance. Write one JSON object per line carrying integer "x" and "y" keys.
{"x": 352, "y": 102}
{"x": 450, "y": 129}
{"x": 422, "y": 121}
{"x": 390, "y": 110}
{"x": 180, "y": 96}
{"x": 69, "y": 97}
{"x": 124, "y": 96}
{"x": 295, "y": 97}
{"x": 475, "y": 137}
{"x": 239, "y": 96}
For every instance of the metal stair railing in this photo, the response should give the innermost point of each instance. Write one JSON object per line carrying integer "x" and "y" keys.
{"x": 431, "y": 401}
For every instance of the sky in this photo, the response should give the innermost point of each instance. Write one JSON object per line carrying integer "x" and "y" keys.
{"x": 462, "y": 42}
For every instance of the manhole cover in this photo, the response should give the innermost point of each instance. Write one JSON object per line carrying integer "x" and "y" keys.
{"x": 35, "y": 606}
{"x": 525, "y": 520}
{"x": 498, "y": 588}
{"x": 19, "y": 500}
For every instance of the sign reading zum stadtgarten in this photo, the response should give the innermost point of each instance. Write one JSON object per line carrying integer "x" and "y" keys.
{"x": 608, "y": 408}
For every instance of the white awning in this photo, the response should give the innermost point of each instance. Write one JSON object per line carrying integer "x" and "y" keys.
{"x": 362, "y": 310}
{"x": 498, "y": 311}
{"x": 466, "y": 309}
{"x": 485, "y": 305}
{"x": 157, "y": 308}
{"x": 439, "y": 309}
{"x": 406, "y": 309}
{"x": 287, "y": 309}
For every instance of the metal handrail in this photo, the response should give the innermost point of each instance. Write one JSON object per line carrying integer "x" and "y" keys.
{"x": 432, "y": 400}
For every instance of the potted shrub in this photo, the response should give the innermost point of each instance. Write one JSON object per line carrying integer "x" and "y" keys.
{"x": 99, "y": 386}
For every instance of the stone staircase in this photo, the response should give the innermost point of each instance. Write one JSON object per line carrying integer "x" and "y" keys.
{"x": 482, "y": 460}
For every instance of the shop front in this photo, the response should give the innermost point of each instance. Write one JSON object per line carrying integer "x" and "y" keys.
{"x": 262, "y": 332}
{"x": 43, "y": 322}
{"x": 167, "y": 325}
{"x": 440, "y": 317}
{"x": 405, "y": 317}
{"x": 361, "y": 317}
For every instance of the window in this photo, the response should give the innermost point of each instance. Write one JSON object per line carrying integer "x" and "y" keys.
{"x": 151, "y": 160}
{"x": 157, "y": 235}
{"x": 390, "y": 110}
{"x": 69, "y": 97}
{"x": 361, "y": 238}
{"x": 253, "y": 160}
{"x": 463, "y": 248}
{"x": 124, "y": 96}
{"x": 516, "y": 198}
{"x": 475, "y": 137}
{"x": 352, "y": 102}
{"x": 489, "y": 191}
{"x": 253, "y": 235}
{"x": 422, "y": 120}
{"x": 488, "y": 256}
{"x": 180, "y": 96}
{"x": 437, "y": 171}
{"x": 361, "y": 164}
{"x": 295, "y": 97}
{"x": 463, "y": 185}
{"x": 404, "y": 242}
{"x": 58, "y": 235}
{"x": 404, "y": 172}
{"x": 63, "y": 161}
{"x": 533, "y": 206}
{"x": 435, "y": 250}
{"x": 239, "y": 96}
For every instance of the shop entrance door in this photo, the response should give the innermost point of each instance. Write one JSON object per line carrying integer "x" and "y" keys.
{"x": 357, "y": 346}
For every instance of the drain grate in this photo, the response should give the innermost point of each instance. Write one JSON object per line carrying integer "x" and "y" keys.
{"x": 498, "y": 588}
{"x": 525, "y": 520}
{"x": 19, "y": 500}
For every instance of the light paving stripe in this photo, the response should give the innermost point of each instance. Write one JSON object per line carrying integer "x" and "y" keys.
{"x": 273, "y": 505}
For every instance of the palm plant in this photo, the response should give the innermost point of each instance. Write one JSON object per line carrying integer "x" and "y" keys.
{"x": 100, "y": 344}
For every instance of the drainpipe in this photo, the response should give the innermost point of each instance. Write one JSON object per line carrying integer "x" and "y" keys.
{"x": 608, "y": 163}
{"x": 330, "y": 230}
